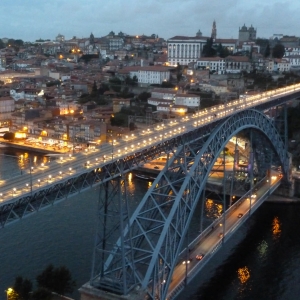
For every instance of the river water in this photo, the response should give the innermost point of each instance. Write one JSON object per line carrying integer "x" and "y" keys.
{"x": 262, "y": 261}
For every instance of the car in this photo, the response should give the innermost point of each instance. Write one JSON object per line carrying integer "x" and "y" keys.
{"x": 240, "y": 215}
{"x": 186, "y": 262}
{"x": 156, "y": 167}
{"x": 220, "y": 235}
{"x": 199, "y": 256}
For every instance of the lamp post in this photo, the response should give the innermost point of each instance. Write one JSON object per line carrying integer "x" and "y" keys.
{"x": 9, "y": 292}
{"x": 112, "y": 149}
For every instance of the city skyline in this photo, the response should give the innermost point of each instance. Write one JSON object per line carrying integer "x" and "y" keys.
{"x": 165, "y": 18}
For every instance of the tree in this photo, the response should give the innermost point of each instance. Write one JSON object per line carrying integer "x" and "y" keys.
{"x": 115, "y": 84}
{"x": 134, "y": 80}
{"x": 9, "y": 136}
{"x": 2, "y": 45}
{"x": 22, "y": 287}
{"x": 144, "y": 96}
{"x": 208, "y": 50}
{"x": 19, "y": 43}
{"x": 278, "y": 51}
{"x": 178, "y": 72}
{"x": 41, "y": 293}
{"x": 263, "y": 43}
{"x": 267, "y": 51}
{"x": 57, "y": 280}
{"x": 103, "y": 88}
{"x": 94, "y": 88}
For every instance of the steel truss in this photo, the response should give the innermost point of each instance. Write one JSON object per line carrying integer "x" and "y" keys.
{"x": 147, "y": 250}
{"x": 27, "y": 204}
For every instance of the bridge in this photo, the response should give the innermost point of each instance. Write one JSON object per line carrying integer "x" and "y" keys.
{"x": 139, "y": 253}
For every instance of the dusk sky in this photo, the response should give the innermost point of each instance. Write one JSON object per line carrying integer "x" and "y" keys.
{"x": 30, "y": 20}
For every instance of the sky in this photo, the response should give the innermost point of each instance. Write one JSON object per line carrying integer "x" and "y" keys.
{"x": 30, "y": 20}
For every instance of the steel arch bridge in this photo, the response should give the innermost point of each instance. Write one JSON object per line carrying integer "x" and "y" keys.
{"x": 146, "y": 253}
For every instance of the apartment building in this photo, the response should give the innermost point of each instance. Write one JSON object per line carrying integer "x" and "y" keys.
{"x": 216, "y": 64}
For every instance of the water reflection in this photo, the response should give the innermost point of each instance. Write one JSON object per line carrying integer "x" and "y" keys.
{"x": 276, "y": 228}
{"x": 262, "y": 249}
{"x": 213, "y": 209}
{"x": 243, "y": 274}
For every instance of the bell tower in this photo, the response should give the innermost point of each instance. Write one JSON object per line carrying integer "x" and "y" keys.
{"x": 214, "y": 31}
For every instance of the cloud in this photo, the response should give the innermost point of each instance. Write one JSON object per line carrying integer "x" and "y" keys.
{"x": 30, "y": 20}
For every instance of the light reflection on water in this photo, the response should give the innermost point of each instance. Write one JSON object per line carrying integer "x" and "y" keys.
{"x": 213, "y": 209}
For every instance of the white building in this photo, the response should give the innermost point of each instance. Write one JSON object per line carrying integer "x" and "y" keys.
{"x": 178, "y": 109}
{"x": 216, "y": 64}
{"x": 163, "y": 94}
{"x": 291, "y": 51}
{"x": 183, "y": 50}
{"x": 294, "y": 60}
{"x": 115, "y": 44}
{"x": 148, "y": 75}
{"x": 281, "y": 65}
{"x": 171, "y": 97}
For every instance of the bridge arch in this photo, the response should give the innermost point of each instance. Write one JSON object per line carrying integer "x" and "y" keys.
{"x": 159, "y": 224}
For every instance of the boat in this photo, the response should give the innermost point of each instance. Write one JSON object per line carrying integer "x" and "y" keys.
{"x": 144, "y": 176}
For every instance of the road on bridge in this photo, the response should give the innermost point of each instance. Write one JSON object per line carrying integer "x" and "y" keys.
{"x": 217, "y": 233}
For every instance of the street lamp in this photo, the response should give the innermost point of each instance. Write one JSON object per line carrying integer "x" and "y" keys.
{"x": 9, "y": 292}
{"x": 112, "y": 149}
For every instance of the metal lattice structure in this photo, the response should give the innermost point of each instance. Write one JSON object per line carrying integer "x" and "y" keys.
{"x": 149, "y": 243}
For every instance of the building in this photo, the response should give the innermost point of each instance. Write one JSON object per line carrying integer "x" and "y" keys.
{"x": 147, "y": 75}
{"x": 294, "y": 60}
{"x": 213, "y": 64}
{"x": 184, "y": 50}
{"x": 2, "y": 62}
{"x": 247, "y": 33}
{"x": 281, "y": 65}
{"x": 118, "y": 103}
{"x": 115, "y": 43}
{"x": 60, "y": 38}
{"x": 237, "y": 64}
{"x": 214, "y": 31}
{"x": 169, "y": 97}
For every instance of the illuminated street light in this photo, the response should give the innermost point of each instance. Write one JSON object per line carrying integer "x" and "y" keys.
{"x": 39, "y": 182}
{"x": 9, "y": 293}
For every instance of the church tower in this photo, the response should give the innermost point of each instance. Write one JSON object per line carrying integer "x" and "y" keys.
{"x": 214, "y": 31}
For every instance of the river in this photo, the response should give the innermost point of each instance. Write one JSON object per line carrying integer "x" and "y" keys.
{"x": 262, "y": 261}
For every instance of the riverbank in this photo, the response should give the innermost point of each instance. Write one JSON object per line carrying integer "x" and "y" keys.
{"x": 22, "y": 146}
